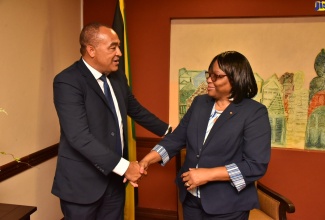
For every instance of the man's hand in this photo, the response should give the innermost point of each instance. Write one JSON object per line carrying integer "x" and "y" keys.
{"x": 136, "y": 170}
{"x": 133, "y": 172}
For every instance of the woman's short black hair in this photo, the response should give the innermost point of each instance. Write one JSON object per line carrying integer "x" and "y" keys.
{"x": 239, "y": 72}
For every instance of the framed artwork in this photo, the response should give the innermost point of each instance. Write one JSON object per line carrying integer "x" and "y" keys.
{"x": 288, "y": 59}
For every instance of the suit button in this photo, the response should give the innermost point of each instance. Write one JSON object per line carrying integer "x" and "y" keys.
{"x": 198, "y": 156}
{"x": 112, "y": 134}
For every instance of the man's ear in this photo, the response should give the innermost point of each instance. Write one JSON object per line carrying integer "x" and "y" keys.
{"x": 91, "y": 51}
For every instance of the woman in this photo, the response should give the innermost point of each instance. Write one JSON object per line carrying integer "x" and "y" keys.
{"x": 228, "y": 141}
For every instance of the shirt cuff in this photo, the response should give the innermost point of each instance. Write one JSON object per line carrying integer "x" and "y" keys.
{"x": 121, "y": 167}
{"x": 236, "y": 177}
{"x": 163, "y": 154}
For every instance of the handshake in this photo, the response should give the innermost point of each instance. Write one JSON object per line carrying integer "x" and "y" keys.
{"x": 135, "y": 172}
{"x": 137, "y": 169}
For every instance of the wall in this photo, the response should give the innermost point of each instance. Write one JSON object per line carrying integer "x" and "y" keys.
{"x": 33, "y": 188}
{"x": 38, "y": 39}
{"x": 149, "y": 41}
{"x": 299, "y": 175}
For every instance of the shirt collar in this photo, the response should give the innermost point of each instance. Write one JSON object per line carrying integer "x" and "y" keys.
{"x": 95, "y": 72}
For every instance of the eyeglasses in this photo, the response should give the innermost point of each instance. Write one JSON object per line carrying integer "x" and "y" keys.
{"x": 213, "y": 76}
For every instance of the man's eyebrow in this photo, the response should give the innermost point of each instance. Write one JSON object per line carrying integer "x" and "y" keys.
{"x": 114, "y": 44}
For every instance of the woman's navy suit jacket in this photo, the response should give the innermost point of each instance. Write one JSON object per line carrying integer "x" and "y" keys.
{"x": 241, "y": 135}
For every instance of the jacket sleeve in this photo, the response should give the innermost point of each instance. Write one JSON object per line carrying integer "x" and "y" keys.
{"x": 177, "y": 140}
{"x": 143, "y": 116}
{"x": 257, "y": 145}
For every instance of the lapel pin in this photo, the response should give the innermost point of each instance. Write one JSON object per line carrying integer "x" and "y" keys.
{"x": 230, "y": 113}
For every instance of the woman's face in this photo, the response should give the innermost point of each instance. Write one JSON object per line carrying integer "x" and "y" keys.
{"x": 221, "y": 88}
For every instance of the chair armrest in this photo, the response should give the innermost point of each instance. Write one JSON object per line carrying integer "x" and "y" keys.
{"x": 285, "y": 206}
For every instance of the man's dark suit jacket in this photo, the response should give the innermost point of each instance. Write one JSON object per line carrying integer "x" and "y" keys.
{"x": 87, "y": 152}
{"x": 241, "y": 135}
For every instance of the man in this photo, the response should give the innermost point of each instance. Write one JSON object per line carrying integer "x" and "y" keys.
{"x": 90, "y": 166}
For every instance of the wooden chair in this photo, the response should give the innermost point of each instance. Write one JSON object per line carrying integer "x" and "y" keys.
{"x": 273, "y": 206}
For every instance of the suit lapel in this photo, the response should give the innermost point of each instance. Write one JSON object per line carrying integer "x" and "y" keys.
{"x": 92, "y": 82}
{"x": 227, "y": 114}
{"x": 205, "y": 111}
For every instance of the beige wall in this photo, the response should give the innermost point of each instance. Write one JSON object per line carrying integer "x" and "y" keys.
{"x": 33, "y": 188}
{"x": 38, "y": 39}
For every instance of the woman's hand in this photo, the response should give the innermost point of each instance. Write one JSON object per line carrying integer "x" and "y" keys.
{"x": 150, "y": 158}
{"x": 144, "y": 165}
{"x": 200, "y": 176}
{"x": 195, "y": 177}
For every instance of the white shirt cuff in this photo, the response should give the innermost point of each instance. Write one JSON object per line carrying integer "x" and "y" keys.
{"x": 121, "y": 167}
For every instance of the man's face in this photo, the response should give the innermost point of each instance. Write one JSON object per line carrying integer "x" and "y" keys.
{"x": 107, "y": 51}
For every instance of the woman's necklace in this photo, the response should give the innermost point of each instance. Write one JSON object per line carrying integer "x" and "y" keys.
{"x": 215, "y": 114}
